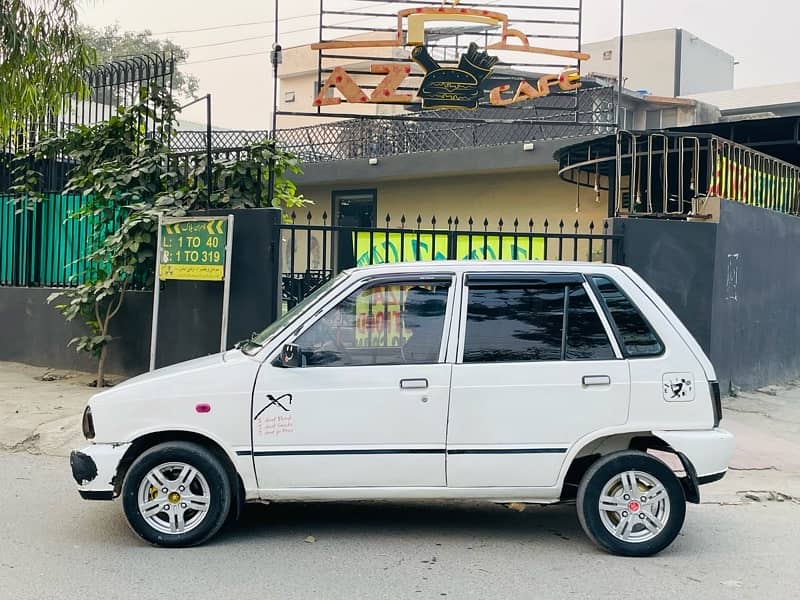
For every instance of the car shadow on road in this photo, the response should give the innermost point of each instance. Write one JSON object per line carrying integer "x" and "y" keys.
{"x": 421, "y": 520}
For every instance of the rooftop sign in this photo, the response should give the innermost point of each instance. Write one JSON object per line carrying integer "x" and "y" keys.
{"x": 455, "y": 65}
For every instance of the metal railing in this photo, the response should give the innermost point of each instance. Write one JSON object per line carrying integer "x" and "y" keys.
{"x": 354, "y": 138}
{"x": 313, "y": 253}
{"x": 673, "y": 174}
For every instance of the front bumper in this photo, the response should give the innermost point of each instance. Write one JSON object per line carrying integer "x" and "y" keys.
{"x": 94, "y": 469}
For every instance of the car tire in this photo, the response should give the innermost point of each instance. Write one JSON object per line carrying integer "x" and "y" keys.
{"x": 176, "y": 494}
{"x": 631, "y": 504}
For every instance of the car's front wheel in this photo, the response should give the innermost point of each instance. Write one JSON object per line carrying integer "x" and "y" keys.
{"x": 631, "y": 503}
{"x": 176, "y": 494}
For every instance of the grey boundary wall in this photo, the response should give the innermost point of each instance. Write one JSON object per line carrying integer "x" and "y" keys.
{"x": 735, "y": 284}
{"x": 33, "y": 332}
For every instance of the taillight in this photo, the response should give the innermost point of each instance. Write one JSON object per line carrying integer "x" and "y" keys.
{"x": 88, "y": 424}
{"x": 716, "y": 400}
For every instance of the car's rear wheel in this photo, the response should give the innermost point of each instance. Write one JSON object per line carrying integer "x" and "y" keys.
{"x": 631, "y": 503}
{"x": 176, "y": 494}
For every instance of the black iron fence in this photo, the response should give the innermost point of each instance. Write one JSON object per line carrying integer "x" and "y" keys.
{"x": 109, "y": 86}
{"x": 313, "y": 252}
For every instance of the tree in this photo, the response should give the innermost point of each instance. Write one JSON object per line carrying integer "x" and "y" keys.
{"x": 120, "y": 166}
{"x": 110, "y": 43}
{"x": 42, "y": 57}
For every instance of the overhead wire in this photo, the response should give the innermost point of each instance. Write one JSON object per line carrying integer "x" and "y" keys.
{"x": 266, "y": 36}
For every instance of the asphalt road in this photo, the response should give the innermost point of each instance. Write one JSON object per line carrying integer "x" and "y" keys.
{"x": 55, "y": 545}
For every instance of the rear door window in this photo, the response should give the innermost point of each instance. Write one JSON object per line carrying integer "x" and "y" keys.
{"x": 508, "y": 323}
{"x": 586, "y": 336}
{"x": 635, "y": 334}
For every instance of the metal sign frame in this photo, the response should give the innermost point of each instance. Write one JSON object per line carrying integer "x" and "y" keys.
{"x": 226, "y": 278}
{"x": 504, "y": 39}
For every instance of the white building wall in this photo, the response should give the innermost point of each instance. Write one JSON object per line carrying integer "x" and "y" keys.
{"x": 648, "y": 61}
{"x": 704, "y": 68}
{"x": 652, "y": 60}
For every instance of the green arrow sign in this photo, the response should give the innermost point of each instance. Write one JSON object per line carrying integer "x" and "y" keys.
{"x": 193, "y": 250}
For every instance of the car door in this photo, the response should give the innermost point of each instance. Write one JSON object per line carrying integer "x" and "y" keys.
{"x": 537, "y": 369}
{"x": 369, "y": 408}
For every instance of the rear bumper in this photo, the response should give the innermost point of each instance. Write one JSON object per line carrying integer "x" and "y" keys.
{"x": 94, "y": 469}
{"x": 708, "y": 450}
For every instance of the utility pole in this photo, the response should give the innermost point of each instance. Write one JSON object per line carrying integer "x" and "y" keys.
{"x": 619, "y": 76}
{"x": 276, "y": 57}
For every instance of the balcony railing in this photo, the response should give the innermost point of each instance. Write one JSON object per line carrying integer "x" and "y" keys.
{"x": 552, "y": 117}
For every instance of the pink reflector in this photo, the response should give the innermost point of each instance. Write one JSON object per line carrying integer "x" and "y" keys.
{"x": 203, "y": 408}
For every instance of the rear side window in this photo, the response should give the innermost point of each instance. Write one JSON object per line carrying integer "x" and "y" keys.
{"x": 523, "y": 324}
{"x": 637, "y": 337}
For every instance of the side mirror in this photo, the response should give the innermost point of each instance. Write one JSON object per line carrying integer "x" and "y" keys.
{"x": 291, "y": 356}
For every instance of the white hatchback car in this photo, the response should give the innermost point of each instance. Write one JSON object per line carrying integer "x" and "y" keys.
{"x": 528, "y": 382}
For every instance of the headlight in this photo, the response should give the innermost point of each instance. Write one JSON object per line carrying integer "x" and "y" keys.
{"x": 88, "y": 423}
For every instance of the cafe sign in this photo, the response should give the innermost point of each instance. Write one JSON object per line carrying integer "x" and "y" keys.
{"x": 464, "y": 85}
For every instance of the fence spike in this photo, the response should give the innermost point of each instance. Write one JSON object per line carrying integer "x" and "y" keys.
{"x": 419, "y": 221}
{"x": 455, "y": 222}
{"x": 388, "y": 218}
{"x": 500, "y": 223}
{"x": 591, "y": 227}
{"x": 433, "y": 221}
{"x": 294, "y": 216}
{"x": 561, "y": 225}
{"x": 309, "y": 217}
{"x": 449, "y": 221}
{"x": 403, "y": 221}
{"x": 530, "y": 224}
{"x": 485, "y": 223}
{"x": 546, "y": 225}
{"x": 471, "y": 223}
{"x": 605, "y": 226}
{"x": 576, "y": 225}
{"x": 324, "y": 217}
{"x": 516, "y": 223}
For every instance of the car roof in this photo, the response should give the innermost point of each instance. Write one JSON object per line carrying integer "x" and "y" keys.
{"x": 459, "y": 266}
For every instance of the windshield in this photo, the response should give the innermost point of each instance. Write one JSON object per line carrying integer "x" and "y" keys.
{"x": 264, "y": 336}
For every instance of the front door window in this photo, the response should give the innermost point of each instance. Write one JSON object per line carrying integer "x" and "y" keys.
{"x": 382, "y": 324}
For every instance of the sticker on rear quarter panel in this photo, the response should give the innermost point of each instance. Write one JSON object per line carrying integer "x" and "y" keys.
{"x": 678, "y": 387}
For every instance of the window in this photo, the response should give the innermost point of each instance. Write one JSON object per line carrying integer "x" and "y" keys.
{"x": 514, "y": 324}
{"x": 637, "y": 337}
{"x": 520, "y": 324}
{"x": 586, "y": 336}
{"x": 652, "y": 119}
{"x": 383, "y": 324}
{"x": 669, "y": 118}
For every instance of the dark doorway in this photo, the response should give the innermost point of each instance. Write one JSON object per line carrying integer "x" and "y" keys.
{"x": 352, "y": 208}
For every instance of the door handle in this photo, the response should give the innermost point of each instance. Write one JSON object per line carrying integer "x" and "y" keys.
{"x": 596, "y": 380}
{"x": 413, "y": 384}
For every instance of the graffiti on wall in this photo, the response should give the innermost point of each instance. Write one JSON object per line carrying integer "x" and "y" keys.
{"x": 376, "y": 248}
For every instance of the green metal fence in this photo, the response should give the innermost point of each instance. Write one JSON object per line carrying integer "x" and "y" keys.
{"x": 42, "y": 244}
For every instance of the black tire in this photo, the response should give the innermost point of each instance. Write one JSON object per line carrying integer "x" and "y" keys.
{"x": 592, "y": 517}
{"x": 214, "y": 476}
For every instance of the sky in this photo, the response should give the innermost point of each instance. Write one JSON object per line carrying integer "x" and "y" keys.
{"x": 761, "y": 35}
